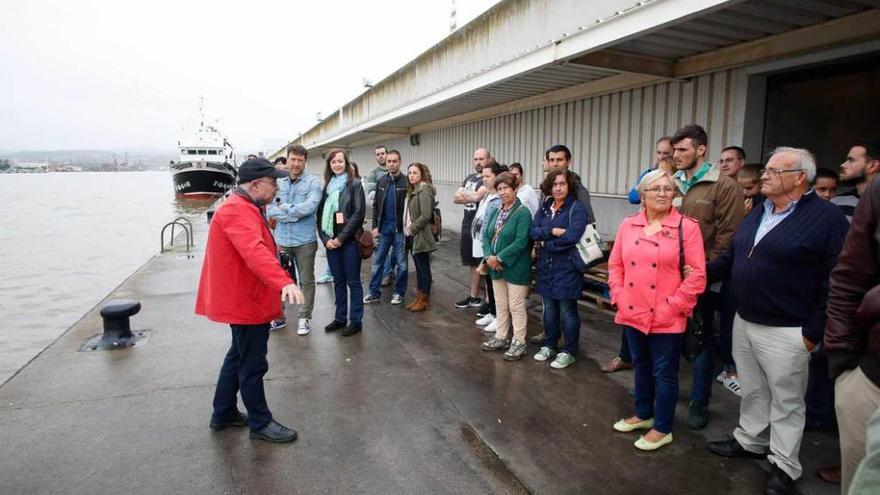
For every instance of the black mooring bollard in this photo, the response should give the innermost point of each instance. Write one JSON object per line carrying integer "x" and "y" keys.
{"x": 117, "y": 332}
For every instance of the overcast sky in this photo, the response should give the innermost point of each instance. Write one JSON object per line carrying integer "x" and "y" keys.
{"x": 90, "y": 74}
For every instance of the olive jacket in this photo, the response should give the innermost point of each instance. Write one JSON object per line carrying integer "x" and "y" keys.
{"x": 420, "y": 205}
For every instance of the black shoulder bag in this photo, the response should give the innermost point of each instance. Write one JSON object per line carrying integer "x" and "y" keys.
{"x": 693, "y": 334}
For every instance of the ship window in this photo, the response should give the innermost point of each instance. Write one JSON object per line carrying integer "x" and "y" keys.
{"x": 203, "y": 152}
{"x": 212, "y": 152}
{"x": 191, "y": 152}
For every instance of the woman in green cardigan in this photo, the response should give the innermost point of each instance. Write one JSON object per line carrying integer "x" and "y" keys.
{"x": 418, "y": 214}
{"x": 507, "y": 255}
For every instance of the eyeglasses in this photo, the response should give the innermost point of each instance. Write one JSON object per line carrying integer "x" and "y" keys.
{"x": 660, "y": 190}
{"x": 779, "y": 171}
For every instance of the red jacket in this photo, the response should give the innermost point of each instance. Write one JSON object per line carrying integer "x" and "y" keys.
{"x": 241, "y": 278}
{"x": 644, "y": 276}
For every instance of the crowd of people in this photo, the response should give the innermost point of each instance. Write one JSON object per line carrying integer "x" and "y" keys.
{"x": 762, "y": 257}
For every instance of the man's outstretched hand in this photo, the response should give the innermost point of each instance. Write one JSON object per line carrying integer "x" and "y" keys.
{"x": 292, "y": 294}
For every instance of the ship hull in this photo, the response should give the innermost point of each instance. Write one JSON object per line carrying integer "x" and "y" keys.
{"x": 202, "y": 179}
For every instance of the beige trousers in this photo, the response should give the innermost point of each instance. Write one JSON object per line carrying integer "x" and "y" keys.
{"x": 855, "y": 399}
{"x": 772, "y": 366}
{"x": 510, "y": 304}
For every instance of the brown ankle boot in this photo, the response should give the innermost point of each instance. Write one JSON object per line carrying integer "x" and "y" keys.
{"x": 421, "y": 303}
{"x": 413, "y": 302}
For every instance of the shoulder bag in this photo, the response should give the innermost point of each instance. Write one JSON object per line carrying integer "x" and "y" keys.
{"x": 588, "y": 249}
{"x": 692, "y": 345}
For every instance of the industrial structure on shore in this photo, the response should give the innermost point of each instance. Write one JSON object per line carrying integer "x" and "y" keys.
{"x": 607, "y": 78}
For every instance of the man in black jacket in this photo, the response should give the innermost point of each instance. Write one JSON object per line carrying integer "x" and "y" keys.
{"x": 852, "y": 333}
{"x": 388, "y": 229}
{"x": 778, "y": 266}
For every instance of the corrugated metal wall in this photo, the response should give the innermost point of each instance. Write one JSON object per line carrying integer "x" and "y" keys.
{"x": 612, "y": 136}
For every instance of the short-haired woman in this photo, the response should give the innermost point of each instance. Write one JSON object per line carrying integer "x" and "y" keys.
{"x": 558, "y": 226}
{"x": 485, "y": 208}
{"x": 418, "y": 215}
{"x": 341, "y": 216}
{"x": 507, "y": 254}
{"x": 654, "y": 300}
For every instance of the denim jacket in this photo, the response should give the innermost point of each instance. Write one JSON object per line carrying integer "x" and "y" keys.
{"x": 296, "y": 210}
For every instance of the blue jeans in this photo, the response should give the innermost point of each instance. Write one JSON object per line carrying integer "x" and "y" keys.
{"x": 820, "y": 391}
{"x": 345, "y": 265}
{"x": 423, "y": 272}
{"x": 243, "y": 370}
{"x": 624, "y": 353}
{"x": 655, "y": 361}
{"x": 704, "y": 365}
{"x": 726, "y": 312}
{"x": 564, "y": 312}
{"x": 396, "y": 243}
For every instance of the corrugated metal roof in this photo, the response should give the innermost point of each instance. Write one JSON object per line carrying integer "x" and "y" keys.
{"x": 742, "y": 22}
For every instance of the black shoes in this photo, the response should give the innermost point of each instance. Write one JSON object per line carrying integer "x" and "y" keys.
{"x": 334, "y": 325}
{"x": 240, "y": 419}
{"x": 779, "y": 483}
{"x": 274, "y": 432}
{"x": 469, "y": 302}
{"x": 484, "y": 310}
{"x": 732, "y": 448}
{"x": 351, "y": 330}
{"x": 698, "y": 414}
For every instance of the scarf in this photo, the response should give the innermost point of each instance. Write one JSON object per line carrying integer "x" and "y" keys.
{"x": 331, "y": 204}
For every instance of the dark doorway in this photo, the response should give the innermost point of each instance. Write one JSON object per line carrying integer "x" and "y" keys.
{"x": 824, "y": 108}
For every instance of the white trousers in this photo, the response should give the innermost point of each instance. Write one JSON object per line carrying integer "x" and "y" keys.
{"x": 772, "y": 365}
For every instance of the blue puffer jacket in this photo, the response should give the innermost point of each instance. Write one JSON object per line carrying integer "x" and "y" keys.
{"x": 557, "y": 277}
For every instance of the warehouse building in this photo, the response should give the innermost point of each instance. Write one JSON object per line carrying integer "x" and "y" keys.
{"x": 607, "y": 78}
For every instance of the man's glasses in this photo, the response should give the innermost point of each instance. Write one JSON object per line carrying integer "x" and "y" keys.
{"x": 779, "y": 171}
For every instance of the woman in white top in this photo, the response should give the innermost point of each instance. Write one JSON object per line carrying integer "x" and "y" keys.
{"x": 526, "y": 193}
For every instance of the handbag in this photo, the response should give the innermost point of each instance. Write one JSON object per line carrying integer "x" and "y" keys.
{"x": 365, "y": 243}
{"x": 588, "y": 249}
{"x": 694, "y": 336}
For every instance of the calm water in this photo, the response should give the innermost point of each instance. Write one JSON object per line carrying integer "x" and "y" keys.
{"x": 68, "y": 239}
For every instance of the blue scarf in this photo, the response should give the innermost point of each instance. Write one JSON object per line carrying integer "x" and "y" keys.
{"x": 331, "y": 204}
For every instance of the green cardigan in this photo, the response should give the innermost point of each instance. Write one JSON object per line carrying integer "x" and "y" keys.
{"x": 421, "y": 210}
{"x": 512, "y": 246}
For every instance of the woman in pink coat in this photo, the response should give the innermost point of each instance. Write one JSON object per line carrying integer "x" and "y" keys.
{"x": 653, "y": 301}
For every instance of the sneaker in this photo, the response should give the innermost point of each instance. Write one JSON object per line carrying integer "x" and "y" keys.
{"x": 730, "y": 382}
{"x": 484, "y": 309}
{"x": 396, "y": 299}
{"x": 544, "y": 354}
{"x": 274, "y": 432}
{"x": 538, "y": 339}
{"x": 476, "y": 302}
{"x": 698, "y": 414}
{"x": 324, "y": 279}
{"x": 491, "y": 327}
{"x": 351, "y": 330}
{"x": 334, "y": 325}
{"x": 516, "y": 351}
{"x": 563, "y": 360}
{"x": 495, "y": 344}
{"x": 464, "y": 303}
{"x": 615, "y": 364}
{"x": 304, "y": 327}
{"x": 386, "y": 281}
{"x": 485, "y": 320}
{"x": 370, "y": 299}
{"x": 277, "y": 324}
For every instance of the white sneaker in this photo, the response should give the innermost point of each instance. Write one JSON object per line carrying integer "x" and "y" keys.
{"x": 491, "y": 327}
{"x": 485, "y": 320}
{"x": 396, "y": 299}
{"x": 305, "y": 326}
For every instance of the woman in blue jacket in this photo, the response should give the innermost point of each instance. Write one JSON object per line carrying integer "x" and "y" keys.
{"x": 558, "y": 226}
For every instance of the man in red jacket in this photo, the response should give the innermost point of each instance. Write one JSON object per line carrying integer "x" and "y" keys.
{"x": 240, "y": 283}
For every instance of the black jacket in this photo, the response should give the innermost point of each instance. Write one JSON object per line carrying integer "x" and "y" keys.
{"x": 353, "y": 206}
{"x": 400, "y": 185}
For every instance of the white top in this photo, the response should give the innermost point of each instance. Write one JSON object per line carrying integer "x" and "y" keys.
{"x": 529, "y": 198}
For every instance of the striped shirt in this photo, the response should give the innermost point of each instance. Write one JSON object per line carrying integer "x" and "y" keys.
{"x": 769, "y": 220}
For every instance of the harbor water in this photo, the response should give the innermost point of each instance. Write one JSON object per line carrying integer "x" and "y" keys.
{"x": 68, "y": 239}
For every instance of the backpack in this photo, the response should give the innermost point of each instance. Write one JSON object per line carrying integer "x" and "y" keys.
{"x": 437, "y": 222}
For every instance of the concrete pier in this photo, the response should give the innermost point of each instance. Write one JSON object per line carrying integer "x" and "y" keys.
{"x": 411, "y": 405}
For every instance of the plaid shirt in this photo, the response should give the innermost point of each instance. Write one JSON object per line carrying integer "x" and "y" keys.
{"x": 502, "y": 216}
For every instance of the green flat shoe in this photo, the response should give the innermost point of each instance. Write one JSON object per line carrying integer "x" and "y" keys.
{"x": 643, "y": 444}
{"x": 625, "y": 427}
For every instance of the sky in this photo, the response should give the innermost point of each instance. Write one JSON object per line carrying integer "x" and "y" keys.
{"x": 91, "y": 74}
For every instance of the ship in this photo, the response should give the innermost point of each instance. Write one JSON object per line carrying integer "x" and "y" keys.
{"x": 206, "y": 165}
